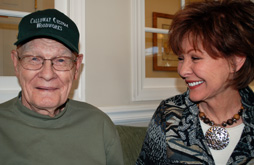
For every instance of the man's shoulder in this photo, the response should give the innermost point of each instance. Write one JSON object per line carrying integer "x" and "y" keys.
{"x": 86, "y": 109}
{"x": 80, "y": 105}
{"x": 8, "y": 104}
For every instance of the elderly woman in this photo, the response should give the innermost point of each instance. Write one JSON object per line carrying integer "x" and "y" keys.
{"x": 212, "y": 122}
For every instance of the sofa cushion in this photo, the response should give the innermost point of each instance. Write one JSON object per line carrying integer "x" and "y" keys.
{"x": 131, "y": 139}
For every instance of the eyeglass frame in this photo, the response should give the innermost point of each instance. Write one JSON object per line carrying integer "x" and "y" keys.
{"x": 73, "y": 61}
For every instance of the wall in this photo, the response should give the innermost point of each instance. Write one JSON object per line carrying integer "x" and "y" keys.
{"x": 108, "y": 52}
{"x": 108, "y": 58}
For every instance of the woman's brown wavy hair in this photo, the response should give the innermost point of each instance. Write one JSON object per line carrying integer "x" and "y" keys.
{"x": 225, "y": 28}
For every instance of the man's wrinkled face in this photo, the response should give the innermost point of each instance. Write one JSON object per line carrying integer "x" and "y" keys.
{"x": 45, "y": 89}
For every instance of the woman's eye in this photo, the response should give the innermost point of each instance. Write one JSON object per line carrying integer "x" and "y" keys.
{"x": 180, "y": 58}
{"x": 195, "y": 58}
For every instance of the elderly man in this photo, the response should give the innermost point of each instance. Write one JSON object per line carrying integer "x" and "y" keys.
{"x": 42, "y": 126}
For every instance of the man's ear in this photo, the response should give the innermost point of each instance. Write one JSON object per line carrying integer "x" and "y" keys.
{"x": 239, "y": 61}
{"x": 78, "y": 66}
{"x": 14, "y": 57}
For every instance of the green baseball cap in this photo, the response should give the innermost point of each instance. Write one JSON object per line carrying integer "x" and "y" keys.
{"x": 49, "y": 23}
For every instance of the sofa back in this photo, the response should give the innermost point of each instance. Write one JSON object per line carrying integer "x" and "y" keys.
{"x": 131, "y": 139}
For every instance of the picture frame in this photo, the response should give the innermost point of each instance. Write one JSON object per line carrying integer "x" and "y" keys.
{"x": 163, "y": 57}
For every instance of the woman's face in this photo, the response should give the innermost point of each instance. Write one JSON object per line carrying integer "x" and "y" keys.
{"x": 206, "y": 77}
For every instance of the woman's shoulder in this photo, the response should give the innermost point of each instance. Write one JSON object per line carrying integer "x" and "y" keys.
{"x": 170, "y": 108}
{"x": 177, "y": 101}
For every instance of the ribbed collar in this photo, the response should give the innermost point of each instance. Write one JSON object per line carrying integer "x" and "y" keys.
{"x": 33, "y": 118}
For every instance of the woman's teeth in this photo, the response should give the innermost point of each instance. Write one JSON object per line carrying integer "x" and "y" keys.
{"x": 195, "y": 83}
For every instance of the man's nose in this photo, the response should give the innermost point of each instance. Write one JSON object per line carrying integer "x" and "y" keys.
{"x": 47, "y": 71}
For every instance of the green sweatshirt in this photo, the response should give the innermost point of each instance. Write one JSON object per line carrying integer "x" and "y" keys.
{"x": 80, "y": 134}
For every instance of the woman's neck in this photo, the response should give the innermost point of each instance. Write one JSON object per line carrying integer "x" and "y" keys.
{"x": 222, "y": 108}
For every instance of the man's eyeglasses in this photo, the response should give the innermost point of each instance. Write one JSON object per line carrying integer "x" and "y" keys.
{"x": 62, "y": 63}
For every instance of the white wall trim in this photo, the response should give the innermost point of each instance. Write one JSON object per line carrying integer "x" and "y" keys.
{"x": 9, "y": 88}
{"x": 11, "y": 13}
{"x": 63, "y": 6}
{"x": 77, "y": 14}
{"x": 126, "y": 115}
{"x": 147, "y": 88}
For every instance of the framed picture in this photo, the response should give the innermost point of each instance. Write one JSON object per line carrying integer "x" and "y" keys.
{"x": 163, "y": 57}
